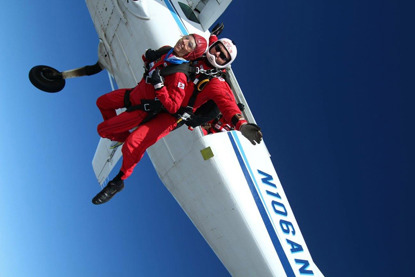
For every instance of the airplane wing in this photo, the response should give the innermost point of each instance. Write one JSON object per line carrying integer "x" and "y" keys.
{"x": 207, "y": 11}
{"x": 105, "y": 159}
{"x": 232, "y": 194}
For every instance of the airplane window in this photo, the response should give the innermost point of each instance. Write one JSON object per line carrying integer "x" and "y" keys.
{"x": 188, "y": 12}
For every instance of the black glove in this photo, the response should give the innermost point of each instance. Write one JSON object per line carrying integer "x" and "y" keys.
{"x": 186, "y": 113}
{"x": 151, "y": 55}
{"x": 251, "y": 132}
{"x": 156, "y": 79}
{"x": 217, "y": 29}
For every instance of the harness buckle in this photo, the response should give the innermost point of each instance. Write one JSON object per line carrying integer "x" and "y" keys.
{"x": 146, "y": 107}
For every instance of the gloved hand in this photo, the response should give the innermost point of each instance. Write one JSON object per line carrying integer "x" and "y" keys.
{"x": 251, "y": 132}
{"x": 151, "y": 55}
{"x": 147, "y": 58}
{"x": 156, "y": 79}
{"x": 186, "y": 113}
{"x": 217, "y": 29}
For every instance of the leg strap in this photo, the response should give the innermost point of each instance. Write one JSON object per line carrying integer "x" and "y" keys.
{"x": 127, "y": 102}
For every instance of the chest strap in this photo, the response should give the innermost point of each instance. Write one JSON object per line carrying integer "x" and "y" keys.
{"x": 186, "y": 113}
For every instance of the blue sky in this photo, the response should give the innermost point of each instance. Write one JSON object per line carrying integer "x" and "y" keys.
{"x": 330, "y": 84}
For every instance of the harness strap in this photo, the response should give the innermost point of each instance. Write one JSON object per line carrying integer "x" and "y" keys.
{"x": 168, "y": 70}
{"x": 185, "y": 68}
{"x": 151, "y": 106}
{"x": 186, "y": 113}
{"x": 144, "y": 107}
{"x": 127, "y": 102}
{"x": 199, "y": 86}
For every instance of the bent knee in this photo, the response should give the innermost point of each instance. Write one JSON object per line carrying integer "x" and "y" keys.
{"x": 102, "y": 130}
{"x": 100, "y": 101}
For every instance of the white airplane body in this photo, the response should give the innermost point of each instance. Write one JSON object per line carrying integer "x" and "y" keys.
{"x": 227, "y": 186}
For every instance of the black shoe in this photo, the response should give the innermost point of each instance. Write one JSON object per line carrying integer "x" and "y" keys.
{"x": 108, "y": 192}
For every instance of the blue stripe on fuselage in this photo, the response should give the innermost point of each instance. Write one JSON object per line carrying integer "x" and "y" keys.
{"x": 246, "y": 168}
{"x": 176, "y": 17}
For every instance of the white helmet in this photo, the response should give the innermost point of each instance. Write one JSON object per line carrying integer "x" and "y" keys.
{"x": 230, "y": 47}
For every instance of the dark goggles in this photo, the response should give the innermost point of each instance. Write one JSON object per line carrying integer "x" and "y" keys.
{"x": 221, "y": 55}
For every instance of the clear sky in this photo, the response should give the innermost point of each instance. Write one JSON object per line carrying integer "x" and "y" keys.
{"x": 331, "y": 85}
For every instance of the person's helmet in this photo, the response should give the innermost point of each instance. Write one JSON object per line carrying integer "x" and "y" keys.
{"x": 200, "y": 49}
{"x": 230, "y": 47}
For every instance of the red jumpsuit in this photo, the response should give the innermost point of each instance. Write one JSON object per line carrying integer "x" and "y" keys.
{"x": 150, "y": 132}
{"x": 116, "y": 127}
{"x": 219, "y": 91}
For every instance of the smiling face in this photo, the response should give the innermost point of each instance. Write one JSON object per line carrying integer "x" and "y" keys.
{"x": 184, "y": 46}
{"x": 221, "y": 54}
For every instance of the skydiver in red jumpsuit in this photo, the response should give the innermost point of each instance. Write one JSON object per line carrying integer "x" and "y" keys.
{"x": 220, "y": 55}
{"x": 168, "y": 92}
